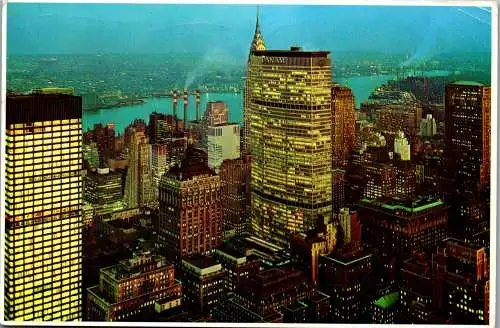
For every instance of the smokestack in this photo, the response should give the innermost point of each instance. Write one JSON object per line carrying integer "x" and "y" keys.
{"x": 175, "y": 111}
{"x": 197, "y": 105}
{"x": 185, "y": 98}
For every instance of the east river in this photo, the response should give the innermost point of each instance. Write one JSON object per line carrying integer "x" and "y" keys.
{"x": 362, "y": 87}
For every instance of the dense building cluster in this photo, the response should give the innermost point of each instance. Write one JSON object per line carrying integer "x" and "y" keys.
{"x": 319, "y": 213}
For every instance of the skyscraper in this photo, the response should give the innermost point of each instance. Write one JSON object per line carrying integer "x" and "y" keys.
{"x": 289, "y": 103}
{"x": 138, "y": 185}
{"x": 343, "y": 125}
{"x": 468, "y": 130}
{"x": 235, "y": 193}
{"x": 43, "y": 222}
{"x": 190, "y": 220}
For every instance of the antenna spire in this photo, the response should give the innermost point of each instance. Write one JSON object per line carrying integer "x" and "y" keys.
{"x": 258, "y": 40}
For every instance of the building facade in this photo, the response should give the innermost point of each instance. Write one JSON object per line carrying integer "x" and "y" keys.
{"x": 204, "y": 283}
{"x": 223, "y": 142}
{"x": 468, "y": 133}
{"x": 139, "y": 183}
{"x": 236, "y": 193}
{"x": 290, "y": 136}
{"x": 343, "y": 125}
{"x": 43, "y": 207}
{"x": 399, "y": 226}
{"x": 130, "y": 287}
{"x": 190, "y": 212}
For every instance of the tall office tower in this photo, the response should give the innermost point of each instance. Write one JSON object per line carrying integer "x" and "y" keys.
{"x": 43, "y": 218}
{"x": 258, "y": 44}
{"x": 468, "y": 130}
{"x": 236, "y": 193}
{"x": 223, "y": 142}
{"x": 190, "y": 219}
{"x": 159, "y": 163}
{"x": 343, "y": 125}
{"x": 402, "y": 147}
{"x": 138, "y": 185}
{"x": 428, "y": 126}
{"x": 290, "y": 134}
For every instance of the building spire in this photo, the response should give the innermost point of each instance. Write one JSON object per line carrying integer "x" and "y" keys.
{"x": 258, "y": 40}
{"x": 257, "y": 25}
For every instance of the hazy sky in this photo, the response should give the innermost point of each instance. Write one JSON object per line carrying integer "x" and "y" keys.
{"x": 146, "y": 28}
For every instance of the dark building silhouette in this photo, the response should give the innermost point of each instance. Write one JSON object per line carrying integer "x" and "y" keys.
{"x": 343, "y": 125}
{"x": 203, "y": 282}
{"x": 463, "y": 281}
{"x": 468, "y": 131}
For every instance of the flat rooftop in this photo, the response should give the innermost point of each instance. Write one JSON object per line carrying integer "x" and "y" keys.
{"x": 387, "y": 301}
{"x": 291, "y": 53}
{"x": 201, "y": 262}
{"x": 403, "y": 204}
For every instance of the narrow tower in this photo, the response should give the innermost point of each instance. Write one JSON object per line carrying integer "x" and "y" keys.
{"x": 257, "y": 44}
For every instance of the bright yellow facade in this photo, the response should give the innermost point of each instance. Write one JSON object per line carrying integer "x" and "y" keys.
{"x": 289, "y": 110}
{"x": 43, "y": 245}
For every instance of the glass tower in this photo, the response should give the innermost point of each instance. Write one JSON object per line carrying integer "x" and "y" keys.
{"x": 43, "y": 207}
{"x": 290, "y": 120}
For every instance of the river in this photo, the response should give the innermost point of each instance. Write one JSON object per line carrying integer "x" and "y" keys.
{"x": 362, "y": 87}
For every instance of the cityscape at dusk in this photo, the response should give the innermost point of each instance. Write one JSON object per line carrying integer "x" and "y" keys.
{"x": 241, "y": 164}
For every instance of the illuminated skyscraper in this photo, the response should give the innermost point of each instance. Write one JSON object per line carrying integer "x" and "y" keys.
{"x": 43, "y": 207}
{"x": 343, "y": 125}
{"x": 468, "y": 130}
{"x": 138, "y": 186}
{"x": 289, "y": 108}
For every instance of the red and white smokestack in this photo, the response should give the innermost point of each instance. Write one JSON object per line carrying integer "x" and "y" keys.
{"x": 175, "y": 111}
{"x": 185, "y": 98}
{"x": 197, "y": 92}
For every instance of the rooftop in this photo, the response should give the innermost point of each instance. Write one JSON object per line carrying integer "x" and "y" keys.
{"x": 407, "y": 205}
{"x": 296, "y": 306}
{"x": 140, "y": 263}
{"x": 293, "y": 52}
{"x": 201, "y": 262}
{"x": 193, "y": 164}
{"x": 468, "y": 83}
{"x": 387, "y": 301}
